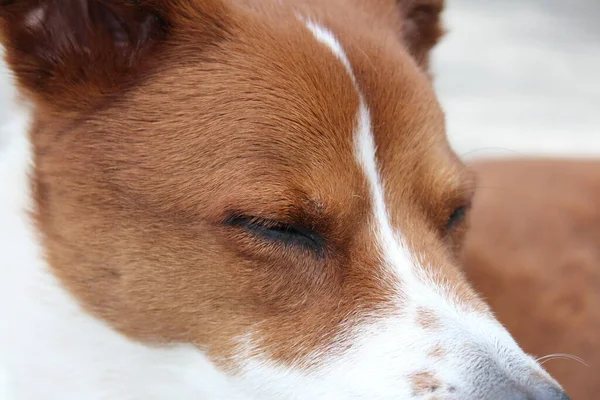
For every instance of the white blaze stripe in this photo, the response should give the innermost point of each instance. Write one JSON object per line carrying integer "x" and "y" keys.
{"x": 365, "y": 149}
{"x": 325, "y": 36}
{"x": 366, "y": 155}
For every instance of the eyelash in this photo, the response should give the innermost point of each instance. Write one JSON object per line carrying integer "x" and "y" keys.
{"x": 280, "y": 232}
{"x": 457, "y": 217}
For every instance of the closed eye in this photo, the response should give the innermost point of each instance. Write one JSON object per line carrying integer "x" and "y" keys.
{"x": 280, "y": 232}
{"x": 457, "y": 217}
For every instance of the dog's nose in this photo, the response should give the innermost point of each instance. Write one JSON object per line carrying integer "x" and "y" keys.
{"x": 548, "y": 393}
{"x": 552, "y": 393}
{"x": 514, "y": 391}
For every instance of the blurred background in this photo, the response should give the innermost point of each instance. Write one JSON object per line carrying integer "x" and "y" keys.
{"x": 521, "y": 77}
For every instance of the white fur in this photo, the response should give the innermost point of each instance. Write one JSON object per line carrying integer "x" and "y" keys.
{"x": 326, "y": 37}
{"x": 51, "y": 349}
{"x": 36, "y": 17}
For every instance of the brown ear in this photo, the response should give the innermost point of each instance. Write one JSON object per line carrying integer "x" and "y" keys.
{"x": 422, "y": 27}
{"x": 70, "y": 53}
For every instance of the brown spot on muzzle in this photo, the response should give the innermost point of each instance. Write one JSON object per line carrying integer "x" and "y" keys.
{"x": 424, "y": 382}
{"x": 437, "y": 352}
{"x": 427, "y": 319}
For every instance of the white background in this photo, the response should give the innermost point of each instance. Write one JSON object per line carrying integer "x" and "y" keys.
{"x": 516, "y": 77}
{"x": 521, "y": 77}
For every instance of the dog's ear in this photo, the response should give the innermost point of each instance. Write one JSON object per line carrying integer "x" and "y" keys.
{"x": 422, "y": 26}
{"x": 70, "y": 53}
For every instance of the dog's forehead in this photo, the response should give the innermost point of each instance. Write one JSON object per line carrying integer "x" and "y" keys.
{"x": 292, "y": 92}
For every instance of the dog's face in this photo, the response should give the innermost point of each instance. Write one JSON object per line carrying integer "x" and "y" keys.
{"x": 266, "y": 183}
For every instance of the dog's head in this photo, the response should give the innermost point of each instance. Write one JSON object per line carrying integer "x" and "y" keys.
{"x": 266, "y": 181}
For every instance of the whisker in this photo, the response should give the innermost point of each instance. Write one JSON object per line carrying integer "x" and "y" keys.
{"x": 468, "y": 154}
{"x": 549, "y": 357}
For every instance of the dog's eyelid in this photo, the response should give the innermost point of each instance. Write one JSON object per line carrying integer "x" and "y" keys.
{"x": 457, "y": 216}
{"x": 290, "y": 234}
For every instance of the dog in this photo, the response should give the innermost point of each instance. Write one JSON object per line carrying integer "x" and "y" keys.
{"x": 252, "y": 199}
{"x": 531, "y": 249}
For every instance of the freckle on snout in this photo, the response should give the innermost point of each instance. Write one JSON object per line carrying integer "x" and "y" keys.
{"x": 427, "y": 319}
{"x": 437, "y": 352}
{"x": 424, "y": 382}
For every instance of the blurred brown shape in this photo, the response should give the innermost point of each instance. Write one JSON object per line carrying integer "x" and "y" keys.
{"x": 533, "y": 251}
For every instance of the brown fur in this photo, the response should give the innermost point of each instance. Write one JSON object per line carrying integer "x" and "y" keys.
{"x": 222, "y": 110}
{"x": 534, "y": 253}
